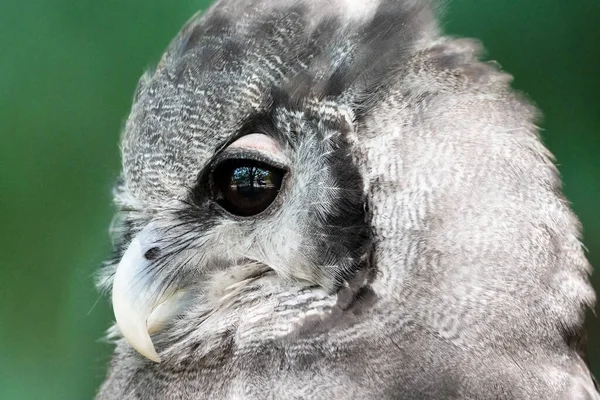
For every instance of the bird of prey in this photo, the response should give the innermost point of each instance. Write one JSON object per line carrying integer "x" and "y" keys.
{"x": 331, "y": 199}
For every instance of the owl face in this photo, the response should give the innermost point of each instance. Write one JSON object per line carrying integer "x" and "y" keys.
{"x": 240, "y": 164}
{"x": 281, "y": 197}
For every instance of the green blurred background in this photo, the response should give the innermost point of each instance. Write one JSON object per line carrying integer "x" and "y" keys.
{"x": 67, "y": 73}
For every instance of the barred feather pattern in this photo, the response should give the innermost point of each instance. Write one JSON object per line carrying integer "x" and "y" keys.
{"x": 423, "y": 248}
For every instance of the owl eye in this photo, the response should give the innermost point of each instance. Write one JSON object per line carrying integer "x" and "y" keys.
{"x": 246, "y": 187}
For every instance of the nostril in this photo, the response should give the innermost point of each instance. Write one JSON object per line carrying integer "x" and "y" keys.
{"x": 152, "y": 253}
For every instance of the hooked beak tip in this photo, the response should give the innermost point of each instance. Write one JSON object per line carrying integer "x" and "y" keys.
{"x": 132, "y": 325}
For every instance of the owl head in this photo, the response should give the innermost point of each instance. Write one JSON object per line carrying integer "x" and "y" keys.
{"x": 327, "y": 178}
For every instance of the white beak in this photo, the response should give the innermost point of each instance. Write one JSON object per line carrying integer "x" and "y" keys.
{"x": 140, "y": 304}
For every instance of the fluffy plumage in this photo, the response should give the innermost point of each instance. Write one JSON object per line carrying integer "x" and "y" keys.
{"x": 421, "y": 247}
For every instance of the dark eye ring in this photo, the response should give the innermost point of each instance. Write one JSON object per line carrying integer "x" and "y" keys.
{"x": 245, "y": 187}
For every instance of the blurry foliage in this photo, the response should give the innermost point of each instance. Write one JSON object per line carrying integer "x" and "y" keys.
{"x": 68, "y": 71}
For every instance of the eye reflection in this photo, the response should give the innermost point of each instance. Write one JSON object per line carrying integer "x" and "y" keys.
{"x": 246, "y": 187}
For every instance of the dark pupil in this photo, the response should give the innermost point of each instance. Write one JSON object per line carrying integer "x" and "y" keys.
{"x": 245, "y": 187}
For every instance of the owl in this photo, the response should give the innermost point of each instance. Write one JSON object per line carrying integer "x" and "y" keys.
{"x": 331, "y": 199}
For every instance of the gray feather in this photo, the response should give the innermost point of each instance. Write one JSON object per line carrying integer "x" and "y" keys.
{"x": 422, "y": 250}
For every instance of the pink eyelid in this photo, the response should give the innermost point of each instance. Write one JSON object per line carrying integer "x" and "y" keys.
{"x": 257, "y": 141}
